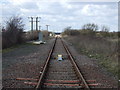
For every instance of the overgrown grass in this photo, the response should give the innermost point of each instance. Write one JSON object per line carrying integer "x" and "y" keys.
{"x": 104, "y": 51}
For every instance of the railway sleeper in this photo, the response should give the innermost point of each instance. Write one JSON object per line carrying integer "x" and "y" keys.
{"x": 61, "y": 74}
{"x": 62, "y": 81}
{"x": 61, "y": 77}
{"x": 51, "y": 85}
{"x": 69, "y": 85}
{"x": 65, "y": 60}
{"x": 60, "y": 70}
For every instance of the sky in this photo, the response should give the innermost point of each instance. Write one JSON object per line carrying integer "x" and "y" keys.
{"x": 63, "y": 13}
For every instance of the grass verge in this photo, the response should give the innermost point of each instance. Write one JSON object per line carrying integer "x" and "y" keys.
{"x": 14, "y": 47}
{"x": 104, "y": 51}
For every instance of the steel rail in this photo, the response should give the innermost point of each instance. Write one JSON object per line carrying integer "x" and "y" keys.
{"x": 80, "y": 76}
{"x": 39, "y": 84}
{"x": 75, "y": 66}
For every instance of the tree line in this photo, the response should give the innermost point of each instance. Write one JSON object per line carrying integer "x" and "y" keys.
{"x": 91, "y": 29}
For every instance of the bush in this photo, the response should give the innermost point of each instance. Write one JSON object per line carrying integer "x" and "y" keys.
{"x": 69, "y": 31}
{"x": 31, "y": 35}
{"x": 13, "y": 33}
{"x": 45, "y": 34}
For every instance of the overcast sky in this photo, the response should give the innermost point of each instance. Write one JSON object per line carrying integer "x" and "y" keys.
{"x": 60, "y": 14}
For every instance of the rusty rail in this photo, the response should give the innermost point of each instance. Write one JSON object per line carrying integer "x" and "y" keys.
{"x": 75, "y": 66}
{"x": 78, "y": 72}
{"x": 45, "y": 66}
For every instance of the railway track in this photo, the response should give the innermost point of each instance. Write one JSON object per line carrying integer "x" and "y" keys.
{"x": 60, "y": 74}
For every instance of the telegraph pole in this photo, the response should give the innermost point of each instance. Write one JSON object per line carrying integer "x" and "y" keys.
{"x": 47, "y": 27}
{"x": 37, "y": 23}
{"x": 31, "y": 23}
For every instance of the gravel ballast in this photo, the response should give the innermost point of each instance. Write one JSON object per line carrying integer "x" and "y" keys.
{"x": 27, "y": 62}
{"x": 23, "y": 62}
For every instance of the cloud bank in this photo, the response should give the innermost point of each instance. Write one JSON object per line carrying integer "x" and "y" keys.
{"x": 60, "y": 14}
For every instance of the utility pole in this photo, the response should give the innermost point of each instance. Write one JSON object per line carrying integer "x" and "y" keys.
{"x": 47, "y": 27}
{"x": 37, "y": 23}
{"x": 31, "y": 23}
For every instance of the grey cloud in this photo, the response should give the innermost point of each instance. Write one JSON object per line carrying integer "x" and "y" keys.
{"x": 59, "y": 15}
{"x": 29, "y": 5}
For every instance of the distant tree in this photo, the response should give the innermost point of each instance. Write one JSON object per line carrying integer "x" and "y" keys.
{"x": 67, "y": 30}
{"x": 89, "y": 26}
{"x": 15, "y": 28}
{"x": 105, "y": 31}
{"x": 74, "y": 32}
{"x": 90, "y": 29}
{"x": 31, "y": 35}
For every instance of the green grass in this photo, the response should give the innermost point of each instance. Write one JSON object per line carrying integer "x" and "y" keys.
{"x": 14, "y": 47}
{"x": 17, "y": 46}
{"x": 110, "y": 65}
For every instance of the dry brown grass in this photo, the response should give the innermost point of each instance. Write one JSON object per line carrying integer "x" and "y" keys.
{"x": 106, "y": 52}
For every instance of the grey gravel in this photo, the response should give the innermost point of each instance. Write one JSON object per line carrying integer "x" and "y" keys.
{"x": 24, "y": 62}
